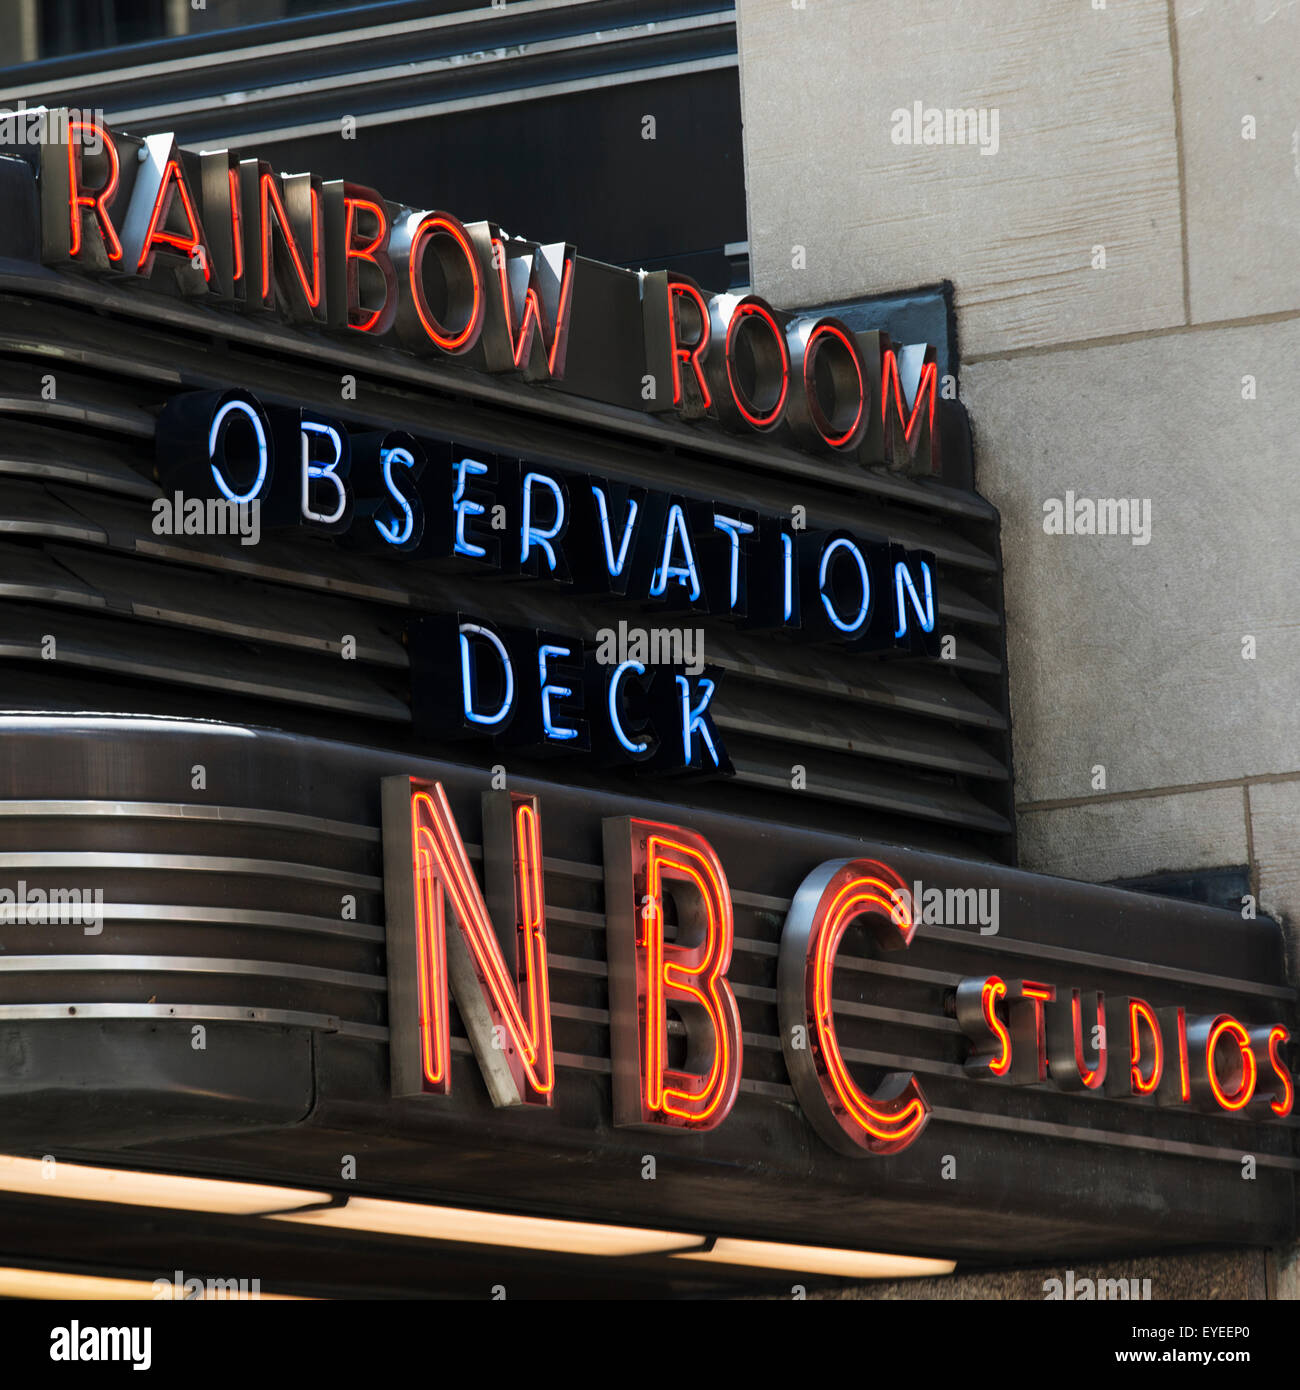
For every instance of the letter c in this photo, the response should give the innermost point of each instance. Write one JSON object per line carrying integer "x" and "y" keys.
{"x": 828, "y": 902}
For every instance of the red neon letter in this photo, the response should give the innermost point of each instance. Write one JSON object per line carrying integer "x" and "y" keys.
{"x": 928, "y": 384}
{"x": 765, "y": 407}
{"x": 373, "y": 250}
{"x": 655, "y": 874}
{"x": 95, "y": 201}
{"x": 505, "y": 1007}
{"x": 302, "y": 290}
{"x": 187, "y": 242}
{"x": 236, "y": 225}
{"x": 1245, "y": 1069}
{"x": 1025, "y": 1011}
{"x": 689, "y": 353}
{"x": 555, "y": 340}
{"x": 1140, "y": 1011}
{"x": 1284, "y": 1094}
{"x": 977, "y": 1016}
{"x": 436, "y": 233}
{"x": 839, "y": 421}
{"x": 828, "y": 902}
{"x": 1176, "y": 1084}
{"x": 1068, "y": 1064}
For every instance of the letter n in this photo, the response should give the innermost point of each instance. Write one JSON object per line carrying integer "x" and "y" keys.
{"x": 829, "y": 901}
{"x": 494, "y": 959}
{"x": 660, "y": 879}
{"x": 283, "y": 233}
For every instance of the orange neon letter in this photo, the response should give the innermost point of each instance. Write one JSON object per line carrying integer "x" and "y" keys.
{"x": 505, "y": 1006}
{"x": 977, "y": 1016}
{"x": 661, "y": 879}
{"x": 828, "y": 902}
{"x": 1283, "y": 1092}
{"x": 367, "y": 248}
{"x": 93, "y": 200}
{"x": 690, "y": 353}
{"x": 289, "y": 213}
{"x": 1210, "y": 1037}
{"x": 1175, "y": 1086}
{"x": 448, "y": 242}
{"x": 1026, "y": 1004}
{"x": 1067, "y": 1047}
{"x": 171, "y": 187}
{"x": 891, "y": 392}
{"x": 536, "y": 276}
{"x": 1139, "y": 1011}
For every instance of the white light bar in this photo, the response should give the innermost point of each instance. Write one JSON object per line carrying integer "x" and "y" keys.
{"x": 818, "y": 1259}
{"x": 36, "y": 1177}
{"x": 54, "y": 1284}
{"x": 415, "y": 1220}
{"x": 490, "y": 1228}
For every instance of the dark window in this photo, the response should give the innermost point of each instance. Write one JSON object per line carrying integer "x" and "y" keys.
{"x": 79, "y": 26}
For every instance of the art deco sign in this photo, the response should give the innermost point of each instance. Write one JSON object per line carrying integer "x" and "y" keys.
{"x": 227, "y": 231}
{"x": 669, "y": 932}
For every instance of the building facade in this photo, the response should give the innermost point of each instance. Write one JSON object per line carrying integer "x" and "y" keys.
{"x": 660, "y": 751}
{"x": 1117, "y": 207}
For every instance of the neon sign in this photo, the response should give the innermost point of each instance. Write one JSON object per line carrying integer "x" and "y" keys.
{"x": 670, "y": 932}
{"x": 1118, "y": 1046}
{"x": 229, "y": 231}
{"x": 420, "y": 500}
{"x": 433, "y": 499}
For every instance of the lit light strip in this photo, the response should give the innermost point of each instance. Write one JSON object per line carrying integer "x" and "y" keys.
{"x": 414, "y": 1219}
{"x": 55, "y": 1284}
{"x": 126, "y": 1187}
{"x": 34, "y": 1177}
{"x": 819, "y": 1259}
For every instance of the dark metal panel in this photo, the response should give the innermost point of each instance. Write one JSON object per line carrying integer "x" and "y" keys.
{"x": 1042, "y": 1172}
{"x": 257, "y": 350}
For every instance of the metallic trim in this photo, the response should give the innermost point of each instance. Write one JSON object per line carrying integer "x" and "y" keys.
{"x": 186, "y": 810}
{"x": 1111, "y": 1138}
{"x": 149, "y": 913}
{"x": 78, "y": 964}
{"x": 214, "y": 1013}
{"x": 493, "y": 99}
{"x": 788, "y": 465}
{"x": 187, "y": 863}
{"x": 486, "y": 59}
{"x": 298, "y": 46}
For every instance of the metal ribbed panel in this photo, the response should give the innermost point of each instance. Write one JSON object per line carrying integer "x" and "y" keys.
{"x": 229, "y": 907}
{"x": 232, "y": 913}
{"x": 258, "y": 629}
{"x": 384, "y": 60}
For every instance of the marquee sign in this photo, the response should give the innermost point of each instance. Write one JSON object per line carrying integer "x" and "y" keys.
{"x": 228, "y": 231}
{"x": 512, "y": 998}
{"x": 336, "y": 257}
{"x": 437, "y": 500}
{"x": 445, "y": 935}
